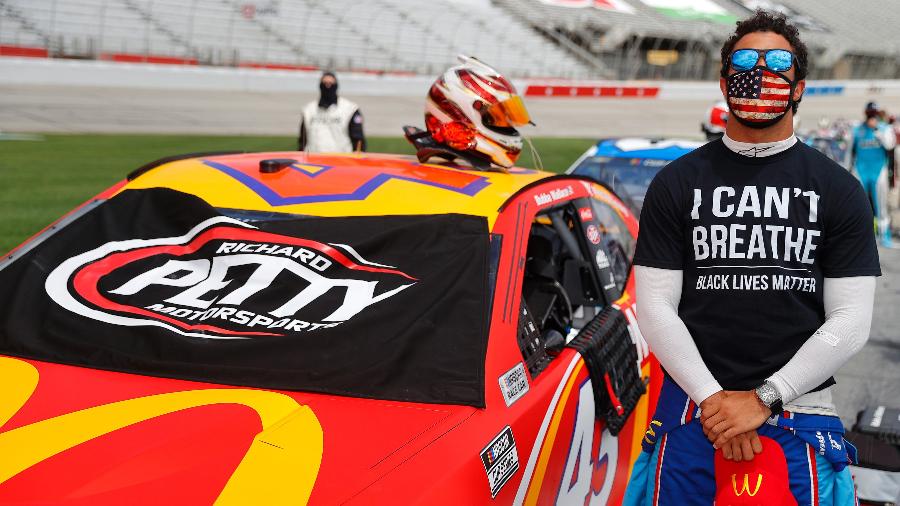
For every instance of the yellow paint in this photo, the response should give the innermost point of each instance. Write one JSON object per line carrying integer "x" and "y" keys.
{"x": 279, "y": 468}
{"x": 281, "y": 465}
{"x": 18, "y": 379}
{"x": 534, "y": 488}
{"x": 394, "y": 197}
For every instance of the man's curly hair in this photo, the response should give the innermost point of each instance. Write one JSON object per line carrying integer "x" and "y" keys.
{"x": 765, "y": 21}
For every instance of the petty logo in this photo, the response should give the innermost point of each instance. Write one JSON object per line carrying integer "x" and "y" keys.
{"x": 224, "y": 280}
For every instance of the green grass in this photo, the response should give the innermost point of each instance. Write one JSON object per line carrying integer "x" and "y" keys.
{"x": 40, "y": 180}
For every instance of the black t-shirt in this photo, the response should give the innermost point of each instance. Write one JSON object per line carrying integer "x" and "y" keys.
{"x": 755, "y": 237}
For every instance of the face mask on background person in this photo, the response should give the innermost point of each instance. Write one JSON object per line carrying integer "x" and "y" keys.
{"x": 328, "y": 90}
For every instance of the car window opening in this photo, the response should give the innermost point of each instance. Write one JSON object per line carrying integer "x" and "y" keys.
{"x": 561, "y": 291}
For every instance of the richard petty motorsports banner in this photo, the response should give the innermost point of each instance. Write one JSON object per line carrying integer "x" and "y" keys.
{"x": 158, "y": 282}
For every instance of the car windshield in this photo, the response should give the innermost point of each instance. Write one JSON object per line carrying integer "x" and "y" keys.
{"x": 628, "y": 177}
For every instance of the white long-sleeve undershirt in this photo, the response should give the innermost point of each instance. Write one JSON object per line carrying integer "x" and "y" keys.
{"x": 848, "y": 318}
{"x": 658, "y": 293}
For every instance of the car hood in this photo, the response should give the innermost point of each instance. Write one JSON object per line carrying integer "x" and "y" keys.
{"x": 85, "y": 436}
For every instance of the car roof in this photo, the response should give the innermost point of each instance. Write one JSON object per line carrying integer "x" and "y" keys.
{"x": 367, "y": 184}
{"x": 645, "y": 147}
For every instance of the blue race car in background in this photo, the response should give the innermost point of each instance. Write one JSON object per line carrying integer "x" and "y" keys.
{"x": 628, "y": 164}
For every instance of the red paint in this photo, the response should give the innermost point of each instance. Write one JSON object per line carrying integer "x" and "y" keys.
{"x": 277, "y": 66}
{"x": 184, "y": 457}
{"x": 29, "y": 52}
{"x": 582, "y": 91}
{"x": 142, "y": 58}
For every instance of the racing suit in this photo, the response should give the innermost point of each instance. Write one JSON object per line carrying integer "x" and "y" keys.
{"x": 870, "y": 163}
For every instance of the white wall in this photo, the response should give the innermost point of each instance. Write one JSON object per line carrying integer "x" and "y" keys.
{"x": 55, "y": 72}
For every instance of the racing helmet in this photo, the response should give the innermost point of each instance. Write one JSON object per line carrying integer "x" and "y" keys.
{"x": 714, "y": 122}
{"x": 472, "y": 108}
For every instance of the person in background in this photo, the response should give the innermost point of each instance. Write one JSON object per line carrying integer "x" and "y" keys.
{"x": 892, "y": 156}
{"x": 715, "y": 121}
{"x": 873, "y": 140}
{"x": 333, "y": 124}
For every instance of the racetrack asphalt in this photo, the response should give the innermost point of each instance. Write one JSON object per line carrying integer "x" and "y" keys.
{"x": 870, "y": 377}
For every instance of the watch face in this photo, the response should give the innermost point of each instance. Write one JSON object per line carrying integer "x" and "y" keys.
{"x": 767, "y": 394}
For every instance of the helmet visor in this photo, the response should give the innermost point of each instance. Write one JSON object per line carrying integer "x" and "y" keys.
{"x": 509, "y": 113}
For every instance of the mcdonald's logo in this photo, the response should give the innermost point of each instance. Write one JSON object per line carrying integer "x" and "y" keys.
{"x": 280, "y": 467}
{"x": 745, "y": 486}
{"x": 650, "y": 435}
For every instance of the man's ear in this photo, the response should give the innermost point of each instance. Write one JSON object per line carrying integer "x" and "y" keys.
{"x": 799, "y": 89}
{"x": 722, "y": 85}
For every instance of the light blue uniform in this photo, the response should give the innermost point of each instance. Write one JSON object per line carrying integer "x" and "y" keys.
{"x": 870, "y": 167}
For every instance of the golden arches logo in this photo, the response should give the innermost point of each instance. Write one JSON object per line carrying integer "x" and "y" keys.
{"x": 280, "y": 467}
{"x": 745, "y": 486}
{"x": 651, "y": 433}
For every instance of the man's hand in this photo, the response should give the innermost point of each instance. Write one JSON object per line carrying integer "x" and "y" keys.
{"x": 742, "y": 447}
{"x": 712, "y": 403}
{"x": 736, "y": 413}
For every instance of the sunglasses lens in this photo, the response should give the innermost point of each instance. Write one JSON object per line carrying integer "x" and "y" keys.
{"x": 779, "y": 60}
{"x": 744, "y": 59}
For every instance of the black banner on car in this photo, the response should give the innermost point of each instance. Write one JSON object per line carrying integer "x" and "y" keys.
{"x": 158, "y": 282}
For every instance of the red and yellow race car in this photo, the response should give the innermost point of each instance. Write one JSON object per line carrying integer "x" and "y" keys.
{"x": 289, "y": 328}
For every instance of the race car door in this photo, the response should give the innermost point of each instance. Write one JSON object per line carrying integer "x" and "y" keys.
{"x": 561, "y": 278}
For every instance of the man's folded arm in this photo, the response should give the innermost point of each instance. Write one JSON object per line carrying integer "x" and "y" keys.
{"x": 848, "y": 319}
{"x": 658, "y": 296}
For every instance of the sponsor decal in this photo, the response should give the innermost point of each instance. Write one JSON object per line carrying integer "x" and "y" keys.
{"x": 553, "y": 195}
{"x": 593, "y": 234}
{"x": 585, "y": 214}
{"x": 224, "y": 280}
{"x": 650, "y": 434}
{"x": 514, "y": 384}
{"x": 590, "y": 467}
{"x": 500, "y": 459}
{"x": 602, "y": 259}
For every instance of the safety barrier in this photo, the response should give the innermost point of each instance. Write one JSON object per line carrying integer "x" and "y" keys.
{"x": 25, "y": 67}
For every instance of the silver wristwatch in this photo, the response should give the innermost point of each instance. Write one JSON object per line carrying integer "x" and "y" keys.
{"x": 769, "y": 396}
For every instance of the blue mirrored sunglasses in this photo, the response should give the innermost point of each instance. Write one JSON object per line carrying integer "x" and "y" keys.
{"x": 779, "y": 60}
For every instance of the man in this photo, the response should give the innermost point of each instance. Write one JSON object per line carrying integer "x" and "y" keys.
{"x": 755, "y": 271}
{"x": 873, "y": 143}
{"x": 333, "y": 124}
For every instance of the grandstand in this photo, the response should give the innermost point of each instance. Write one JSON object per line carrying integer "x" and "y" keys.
{"x": 846, "y": 39}
{"x": 626, "y": 39}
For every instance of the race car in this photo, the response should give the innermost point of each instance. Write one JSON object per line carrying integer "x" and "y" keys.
{"x": 290, "y": 328}
{"x": 836, "y": 148}
{"x": 627, "y": 165}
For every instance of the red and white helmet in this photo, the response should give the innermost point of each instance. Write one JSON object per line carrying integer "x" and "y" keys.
{"x": 472, "y": 107}
{"x": 715, "y": 121}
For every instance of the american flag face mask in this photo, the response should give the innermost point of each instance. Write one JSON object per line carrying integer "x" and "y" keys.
{"x": 759, "y": 97}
